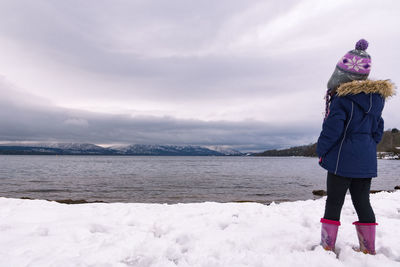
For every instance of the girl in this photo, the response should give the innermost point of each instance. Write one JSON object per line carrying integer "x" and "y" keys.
{"x": 346, "y": 147}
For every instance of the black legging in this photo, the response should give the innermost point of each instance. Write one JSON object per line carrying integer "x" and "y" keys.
{"x": 359, "y": 189}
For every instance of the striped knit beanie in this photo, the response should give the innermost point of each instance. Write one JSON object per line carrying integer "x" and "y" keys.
{"x": 354, "y": 65}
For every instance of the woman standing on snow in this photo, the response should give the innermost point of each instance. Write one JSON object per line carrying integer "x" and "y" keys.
{"x": 346, "y": 148}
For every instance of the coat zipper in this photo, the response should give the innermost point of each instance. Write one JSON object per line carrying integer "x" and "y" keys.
{"x": 344, "y": 136}
{"x": 370, "y": 102}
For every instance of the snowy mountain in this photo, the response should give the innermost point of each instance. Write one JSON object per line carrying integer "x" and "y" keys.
{"x": 91, "y": 149}
{"x": 167, "y": 150}
{"x": 226, "y": 150}
{"x": 54, "y": 149}
{"x": 74, "y": 146}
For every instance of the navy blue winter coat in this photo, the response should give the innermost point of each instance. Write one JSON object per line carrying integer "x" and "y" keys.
{"x": 353, "y": 128}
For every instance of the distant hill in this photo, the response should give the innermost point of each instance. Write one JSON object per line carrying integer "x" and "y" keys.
{"x": 54, "y": 149}
{"x": 167, "y": 150}
{"x": 131, "y": 150}
{"x": 298, "y": 151}
{"x": 226, "y": 150}
{"x": 390, "y": 143}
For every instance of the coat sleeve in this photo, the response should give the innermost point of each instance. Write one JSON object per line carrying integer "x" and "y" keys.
{"x": 333, "y": 126}
{"x": 377, "y": 135}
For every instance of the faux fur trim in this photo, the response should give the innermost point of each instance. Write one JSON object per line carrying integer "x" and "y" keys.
{"x": 384, "y": 87}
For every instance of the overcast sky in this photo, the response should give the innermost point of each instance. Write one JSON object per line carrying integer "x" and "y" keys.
{"x": 249, "y": 74}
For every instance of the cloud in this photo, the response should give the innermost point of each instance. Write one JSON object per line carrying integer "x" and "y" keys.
{"x": 76, "y": 121}
{"x": 32, "y": 122}
{"x": 213, "y": 70}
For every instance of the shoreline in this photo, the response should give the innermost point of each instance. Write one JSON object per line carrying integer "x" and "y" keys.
{"x": 315, "y": 193}
{"x": 84, "y": 201}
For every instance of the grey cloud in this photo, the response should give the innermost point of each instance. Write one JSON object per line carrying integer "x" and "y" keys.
{"x": 75, "y": 36}
{"x": 179, "y": 54}
{"x": 38, "y": 123}
{"x": 84, "y": 36}
{"x": 167, "y": 23}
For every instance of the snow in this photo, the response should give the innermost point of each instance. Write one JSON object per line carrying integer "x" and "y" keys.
{"x": 226, "y": 150}
{"x": 43, "y": 233}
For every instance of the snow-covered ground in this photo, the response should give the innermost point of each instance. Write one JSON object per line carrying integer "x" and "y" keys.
{"x": 42, "y": 233}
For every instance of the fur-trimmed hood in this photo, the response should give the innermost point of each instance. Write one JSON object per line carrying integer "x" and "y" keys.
{"x": 383, "y": 87}
{"x": 369, "y": 95}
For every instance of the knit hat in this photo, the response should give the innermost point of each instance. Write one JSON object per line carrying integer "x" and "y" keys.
{"x": 354, "y": 65}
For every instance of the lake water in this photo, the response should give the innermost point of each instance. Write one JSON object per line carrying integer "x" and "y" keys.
{"x": 171, "y": 179}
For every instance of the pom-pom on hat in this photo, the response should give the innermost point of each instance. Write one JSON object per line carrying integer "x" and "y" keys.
{"x": 362, "y": 45}
{"x": 354, "y": 65}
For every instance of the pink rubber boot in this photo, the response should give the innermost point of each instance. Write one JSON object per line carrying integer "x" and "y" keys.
{"x": 329, "y": 231}
{"x": 366, "y": 237}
